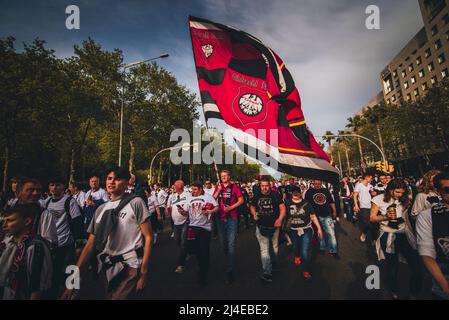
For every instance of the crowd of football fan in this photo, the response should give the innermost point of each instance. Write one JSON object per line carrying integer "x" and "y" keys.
{"x": 111, "y": 231}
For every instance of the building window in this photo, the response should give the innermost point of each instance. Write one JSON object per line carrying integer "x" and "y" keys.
{"x": 409, "y": 96}
{"x": 434, "y": 30}
{"x": 421, "y": 74}
{"x": 427, "y": 53}
{"x": 413, "y": 80}
{"x": 416, "y": 92}
{"x": 441, "y": 58}
{"x": 404, "y": 74}
{"x": 424, "y": 86}
{"x": 410, "y": 67}
{"x": 406, "y": 84}
{"x": 444, "y": 73}
{"x": 445, "y": 19}
{"x": 438, "y": 44}
{"x": 431, "y": 67}
{"x": 393, "y": 98}
{"x": 395, "y": 73}
{"x": 434, "y": 80}
{"x": 418, "y": 61}
{"x": 407, "y": 59}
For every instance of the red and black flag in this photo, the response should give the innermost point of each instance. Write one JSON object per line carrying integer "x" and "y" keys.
{"x": 246, "y": 84}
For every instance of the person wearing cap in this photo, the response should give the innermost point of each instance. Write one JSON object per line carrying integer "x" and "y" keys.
{"x": 121, "y": 232}
{"x": 69, "y": 230}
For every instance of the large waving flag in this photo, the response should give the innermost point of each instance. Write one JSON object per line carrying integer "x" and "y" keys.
{"x": 245, "y": 83}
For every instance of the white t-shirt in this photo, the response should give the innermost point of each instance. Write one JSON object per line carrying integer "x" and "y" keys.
{"x": 97, "y": 195}
{"x": 209, "y": 191}
{"x": 80, "y": 198}
{"x": 364, "y": 195}
{"x": 127, "y": 236}
{"x": 178, "y": 199}
{"x": 196, "y": 216}
{"x": 161, "y": 196}
{"x": 152, "y": 204}
{"x": 383, "y": 206}
{"x": 57, "y": 210}
{"x": 421, "y": 202}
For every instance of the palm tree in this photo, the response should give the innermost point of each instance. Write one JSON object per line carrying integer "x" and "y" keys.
{"x": 329, "y": 141}
{"x": 355, "y": 124}
{"x": 344, "y": 141}
{"x": 373, "y": 115}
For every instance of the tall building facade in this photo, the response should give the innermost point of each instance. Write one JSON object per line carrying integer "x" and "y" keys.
{"x": 424, "y": 61}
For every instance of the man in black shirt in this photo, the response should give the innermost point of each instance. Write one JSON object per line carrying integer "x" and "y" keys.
{"x": 288, "y": 190}
{"x": 324, "y": 207}
{"x": 268, "y": 211}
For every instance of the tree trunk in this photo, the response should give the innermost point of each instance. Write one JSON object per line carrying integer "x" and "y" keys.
{"x": 330, "y": 151}
{"x": 362, "y": 163}
{"x": 72, "y": 166}
{"x": 347, "y": 159}
{"x": 160, "y": 171}
{"x": 380, "y": 138}
{"x": 169, "y": 174}
{"x": 5, "y": 169}
{"x": 131, "y": 156}
{"x": 339, "y": 162}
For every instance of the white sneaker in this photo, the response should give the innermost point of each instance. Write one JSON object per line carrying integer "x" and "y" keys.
{"x": 345, "y": 215}
{"x": 338, "y": 219}
{"x": 155, "y": 238}
{"x": 363, "y": 237}
{"x": 180, "y": 269}
{"x": 172, "y": 235}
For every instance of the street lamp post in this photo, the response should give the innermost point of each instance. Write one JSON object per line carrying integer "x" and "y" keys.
{"x": 185, "y": 146}
{"x": 127, "y": 66}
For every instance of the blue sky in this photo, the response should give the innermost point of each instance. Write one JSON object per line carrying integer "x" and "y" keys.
{"x": 335, "y": 61}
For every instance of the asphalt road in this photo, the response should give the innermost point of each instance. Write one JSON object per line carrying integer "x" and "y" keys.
{"x": 332, "y": 279}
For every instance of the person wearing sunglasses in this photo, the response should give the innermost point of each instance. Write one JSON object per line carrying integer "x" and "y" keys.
{"x": 432, "y": 228}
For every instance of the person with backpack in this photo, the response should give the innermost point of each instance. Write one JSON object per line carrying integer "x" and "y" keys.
{"x": 268, "y": 211}
{"x": 299, "y": 219}
{"x": 69, "y": 231}
{"x": 120, "y": 235}
{"x": 25, "y": 258}
{"x": 229, "y": 198}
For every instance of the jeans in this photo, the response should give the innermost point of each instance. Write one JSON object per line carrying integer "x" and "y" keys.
{"x": 62, "y": 257}
{"x": 227, "y": 231}
{"x": 269, "y": 248}
{"x": 349, "y": 208}
{"x": 301, "y": 247}
{"x": 366, "y": 226}
{"x": 402, "y": 246}
{"x": 327, "y": 224}
{"x": 200, "y": 248}
{"x": 180, "y": 238}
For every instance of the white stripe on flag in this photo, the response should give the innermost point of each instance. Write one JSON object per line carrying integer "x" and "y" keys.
{"x": 210, "y": 107}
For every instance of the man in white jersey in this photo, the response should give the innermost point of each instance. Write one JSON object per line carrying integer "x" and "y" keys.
{"x": 200, "y": 207}
{"x": 178, "y": 200}
{"x": 69, "y": 230}
{"x": 121, "y": 232}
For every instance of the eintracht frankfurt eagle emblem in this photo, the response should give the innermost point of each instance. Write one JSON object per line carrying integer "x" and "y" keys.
{"x": 208, "y": 49}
